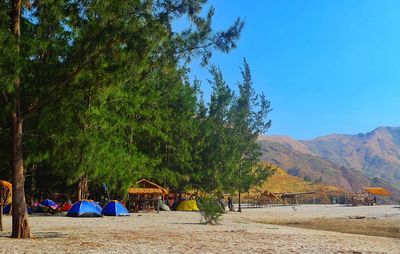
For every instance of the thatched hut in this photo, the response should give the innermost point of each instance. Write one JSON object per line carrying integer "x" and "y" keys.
{"x": 145, "y": 196}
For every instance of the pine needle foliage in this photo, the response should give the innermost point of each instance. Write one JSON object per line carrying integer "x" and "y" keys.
{"x": 104, "y": 94}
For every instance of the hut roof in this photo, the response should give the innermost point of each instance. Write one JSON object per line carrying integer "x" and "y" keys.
{"x": 377, "y": 191}
{"x": 147, "y": 187}
{"x": 269, "y": 194}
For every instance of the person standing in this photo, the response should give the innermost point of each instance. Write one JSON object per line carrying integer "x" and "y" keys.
{"x": 230, "y": 204}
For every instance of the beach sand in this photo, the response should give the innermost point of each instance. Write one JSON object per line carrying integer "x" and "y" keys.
{"x": 259, "y": 230}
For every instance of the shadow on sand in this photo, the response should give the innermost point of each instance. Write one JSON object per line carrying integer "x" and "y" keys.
{"x": 37, "y": 235}
{"x": 188, "y": 223}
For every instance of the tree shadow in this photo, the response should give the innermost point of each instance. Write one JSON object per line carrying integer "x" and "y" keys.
{"x": 188, "y": 223}
{"x": 42, "y": 235}
{"x": 37, "y": 235}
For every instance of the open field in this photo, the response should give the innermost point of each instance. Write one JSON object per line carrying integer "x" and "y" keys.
{"x": 251, "y": 231}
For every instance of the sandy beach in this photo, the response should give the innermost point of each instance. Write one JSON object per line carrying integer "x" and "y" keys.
{"x": 262, "y": 230}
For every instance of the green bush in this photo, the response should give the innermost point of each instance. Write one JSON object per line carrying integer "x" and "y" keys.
{"x": 210, "y": 209}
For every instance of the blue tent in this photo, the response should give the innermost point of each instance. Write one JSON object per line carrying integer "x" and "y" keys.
{"x": 115, "y": 208}
{"x": 7, "y": 209}
{"x": 45, "y": 206}
{"x": 83, "y": 209}
{"x": 48, "y": 203}
{"x": 97, "y": 205}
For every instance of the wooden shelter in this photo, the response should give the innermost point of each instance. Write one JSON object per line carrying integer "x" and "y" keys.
{"x": 260, "y": 198}
{"x": 294, "y": 198}
{"x": 368, "y": 195}
{"x": 145, "y": 196}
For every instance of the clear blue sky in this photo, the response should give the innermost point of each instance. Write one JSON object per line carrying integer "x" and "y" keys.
{"x": 326, "y": 66}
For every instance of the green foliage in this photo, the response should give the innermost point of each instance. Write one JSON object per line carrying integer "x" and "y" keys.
{"x": 249, "y": 120}
{"x": 229, "y": 154}
{"x": 210, "y": 209}
{"x": 103, "y": 94}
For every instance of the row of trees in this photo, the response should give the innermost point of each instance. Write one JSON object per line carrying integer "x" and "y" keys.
{"x": 97, "y": 92}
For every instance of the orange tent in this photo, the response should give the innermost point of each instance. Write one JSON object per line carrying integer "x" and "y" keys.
{"x": 377, "y": 191}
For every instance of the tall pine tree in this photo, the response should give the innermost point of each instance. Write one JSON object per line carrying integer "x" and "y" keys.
{"x": 249, "y": 120}
{"x": 73, "y": 55}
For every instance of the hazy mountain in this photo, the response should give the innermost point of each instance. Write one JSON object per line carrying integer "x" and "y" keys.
{"x": 347, "y": 161}
{"x": 376, "y": 153}
{"x": 312, "y": 168}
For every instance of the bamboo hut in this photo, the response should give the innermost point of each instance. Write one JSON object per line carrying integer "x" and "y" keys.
{"x": 146, "y": 196}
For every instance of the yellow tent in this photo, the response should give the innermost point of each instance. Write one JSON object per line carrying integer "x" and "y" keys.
{"x": 187, "y": 205}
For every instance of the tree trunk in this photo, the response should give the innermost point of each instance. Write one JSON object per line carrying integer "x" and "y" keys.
{"x": 83, "y": 188}
{"x": 240, "y": 203}
{"x": 20, "y": 227}
{"x": 20, "y": 221}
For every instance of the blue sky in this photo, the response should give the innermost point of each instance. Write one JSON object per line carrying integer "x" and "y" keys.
{"x": 326, "y": 66}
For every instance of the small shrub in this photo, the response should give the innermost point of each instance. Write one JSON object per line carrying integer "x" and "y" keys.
{"x": 210, "y": 209}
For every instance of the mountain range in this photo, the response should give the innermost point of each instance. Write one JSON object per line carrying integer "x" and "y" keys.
{"x": 347, "y": 161}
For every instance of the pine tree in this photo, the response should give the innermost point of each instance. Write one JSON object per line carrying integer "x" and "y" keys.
{"x": 75, "y": 61}
{"x": 249, "y": 120}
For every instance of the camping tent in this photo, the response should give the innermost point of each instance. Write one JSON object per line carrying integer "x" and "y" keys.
{"x": 97, "y": 205}
{"x": 66, "y": 206}
{"x": 83, "y": 209}
{"x": 45, "y": 206}
{"x": 115, "y": 208}
{"x": 187, "y": 205}
{"x": 7, "y": 209}
{"x": 48, "y": 203}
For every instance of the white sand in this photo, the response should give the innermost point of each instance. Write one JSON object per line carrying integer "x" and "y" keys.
{"x": 181, "y": 232}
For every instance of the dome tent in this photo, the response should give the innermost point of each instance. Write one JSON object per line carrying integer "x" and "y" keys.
{"x": 66, "y": 206}
{"x": 7, "y": 209}
{"x": 187, "y": 205}
{"x": 48, "y": 203}
{"x": 45, "y": 206}
{"x": 97, "y": 205}
{"x": 115, "y": 208}
{"x": 83, "y": 209}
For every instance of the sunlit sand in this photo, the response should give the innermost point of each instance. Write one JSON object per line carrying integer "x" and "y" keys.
{"x": 183, "y": 232}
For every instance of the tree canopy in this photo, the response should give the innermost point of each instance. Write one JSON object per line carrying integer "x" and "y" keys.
{"x": 104, "y": 97}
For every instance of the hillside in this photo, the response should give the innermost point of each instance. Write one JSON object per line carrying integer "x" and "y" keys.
{"x": 281, "y": 182}
{"x": 347, "y": 161}
{"x": 312, "y": 168}
{"x": 376, "y": 153}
